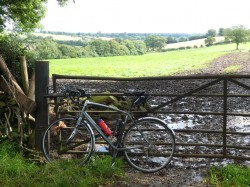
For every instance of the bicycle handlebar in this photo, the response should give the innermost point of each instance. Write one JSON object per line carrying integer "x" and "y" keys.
{"x": 75, "y": 94}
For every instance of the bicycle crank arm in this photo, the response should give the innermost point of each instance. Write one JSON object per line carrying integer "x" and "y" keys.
{"x": 126, "y": 149}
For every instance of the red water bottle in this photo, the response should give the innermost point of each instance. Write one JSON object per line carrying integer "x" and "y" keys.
{"x": 104, "y": 127}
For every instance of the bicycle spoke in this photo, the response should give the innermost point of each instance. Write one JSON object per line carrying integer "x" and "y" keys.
{"x": 59, "y": 142}
{"x": 157, "y": 141}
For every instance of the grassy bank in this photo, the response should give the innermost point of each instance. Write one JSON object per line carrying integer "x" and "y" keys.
{"x": 16, "y": 171}
{"x": 231, "y": 175}
{"x": 152, "y": 64}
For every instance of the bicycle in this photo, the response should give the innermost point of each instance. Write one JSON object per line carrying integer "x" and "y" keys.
{"x": 148, "y": 143}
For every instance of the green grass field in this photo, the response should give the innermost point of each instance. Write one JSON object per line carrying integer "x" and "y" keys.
{"x": 152, "y": 64}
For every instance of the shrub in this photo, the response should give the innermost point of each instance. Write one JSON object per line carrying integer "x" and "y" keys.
{"x": 181, "y": 48}
{"x": 169, "y": 49}
{"x": 11, "y": 48}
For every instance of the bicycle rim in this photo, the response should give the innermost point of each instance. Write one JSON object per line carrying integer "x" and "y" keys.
{"x": 151, "y": 145}
{"x": 56, "y": 147}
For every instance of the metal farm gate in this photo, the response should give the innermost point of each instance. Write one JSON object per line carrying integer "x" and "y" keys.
{"x": 209, "y": 114}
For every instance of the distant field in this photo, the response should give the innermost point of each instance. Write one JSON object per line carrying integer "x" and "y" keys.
{"x": 192, "y": 43}
{"x": 152, "y": 64}
{"x": 67, "y": 37}
{"x": 58, "y": 37}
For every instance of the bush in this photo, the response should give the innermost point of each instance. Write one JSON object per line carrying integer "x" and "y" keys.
{"x": 11, "y": 48}
{"x": 169, "y": 49}
{"x": 181, "y": 48}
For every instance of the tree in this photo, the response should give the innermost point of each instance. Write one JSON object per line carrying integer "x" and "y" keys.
{"x": 131, "y": 47}
{"x": 46, "y": 49}
{"x": 171, "y": 40}
{"x": 237, "y": 34}
{"x": 209, "y": 40}
{"x": 183, "y": 39}
{"x": 70, "y": 51}
{"x": 124, "y": 50}
{"x": 102, "y": 47}
{"x": 155, "y": 42}
{"x": 221, "y": 31}
{"x": 114, "y": 48}
{"x": 23, "y": 15}
{"x": 90, "y": 51}
{"x": 211, "y": 32}
{"x": 140, "y": 47}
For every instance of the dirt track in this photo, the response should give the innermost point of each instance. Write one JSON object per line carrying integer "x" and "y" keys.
{"x": 190, "y": 174}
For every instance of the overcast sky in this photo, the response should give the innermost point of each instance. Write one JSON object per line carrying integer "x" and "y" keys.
{"x": 146, "y": 16}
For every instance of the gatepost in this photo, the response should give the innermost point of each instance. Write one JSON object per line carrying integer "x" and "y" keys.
{"x": 41, "y": 89}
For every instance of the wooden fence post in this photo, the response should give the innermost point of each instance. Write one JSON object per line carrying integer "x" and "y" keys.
{"x": 41, "y": 87}
{"x": 25, "y": 76}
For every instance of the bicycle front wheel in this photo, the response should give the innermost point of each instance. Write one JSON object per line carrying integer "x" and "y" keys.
{"x": 149, "y": 145}
{"x": 63, "y": 141}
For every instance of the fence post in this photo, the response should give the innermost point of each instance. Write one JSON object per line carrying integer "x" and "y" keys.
{"x": 25, "y": 76}
{"x": 41, "y": 87}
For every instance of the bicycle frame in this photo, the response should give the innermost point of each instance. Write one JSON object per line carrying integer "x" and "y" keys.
{"x": 93, "y": 124}
{"x": 147, "y": 143}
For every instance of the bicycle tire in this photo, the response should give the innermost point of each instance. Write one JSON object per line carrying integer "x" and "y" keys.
{"x": 79, "y": 149}
{"x": 153, "y": 142}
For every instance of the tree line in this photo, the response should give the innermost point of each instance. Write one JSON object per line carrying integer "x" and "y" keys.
{"x": 47, "y": 48}
{"x": 125, "y": 35}
{"x": 236, "y": 34}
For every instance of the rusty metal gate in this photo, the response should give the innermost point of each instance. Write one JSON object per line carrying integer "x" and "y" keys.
{"x": 213, "y": 110}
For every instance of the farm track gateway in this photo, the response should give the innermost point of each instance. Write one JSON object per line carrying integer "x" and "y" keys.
{"x": 193, "y": 166}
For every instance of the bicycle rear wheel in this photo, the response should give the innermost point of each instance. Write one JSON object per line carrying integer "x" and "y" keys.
{"x": 56, "y": 147}
{"x": 149, "y": 144}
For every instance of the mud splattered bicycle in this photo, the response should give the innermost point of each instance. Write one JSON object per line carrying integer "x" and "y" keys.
{"x": 148, "y": 143}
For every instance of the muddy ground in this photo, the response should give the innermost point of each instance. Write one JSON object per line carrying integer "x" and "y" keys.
{"x": 191, "y": 171}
